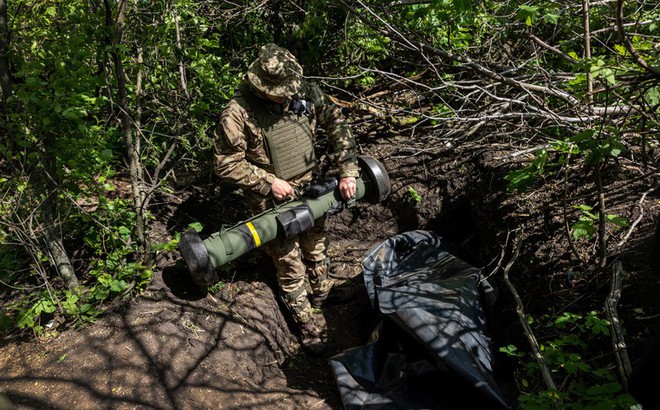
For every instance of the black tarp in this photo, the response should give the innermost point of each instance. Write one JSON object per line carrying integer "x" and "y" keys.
{"x": 430, "y": 349}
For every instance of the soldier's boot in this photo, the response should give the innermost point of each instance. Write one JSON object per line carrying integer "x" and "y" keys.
{"x": 324, "y": 291}
{"x": 312, "y": 328}
{"x": 314, "y": 334}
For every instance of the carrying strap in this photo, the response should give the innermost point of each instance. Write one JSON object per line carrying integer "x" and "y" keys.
{"x": 289, "y": 298}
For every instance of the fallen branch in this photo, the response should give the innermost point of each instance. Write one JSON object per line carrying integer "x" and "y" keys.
{"x": 370, "y": 18}
{"x": 629, "y": 46}
{"x": 555, "y": 50}
{"x": 639, "y": 218}
{"x": 523, "y": 152}
{"x": 618, "y": 343}
{"x": 536, "y": 350}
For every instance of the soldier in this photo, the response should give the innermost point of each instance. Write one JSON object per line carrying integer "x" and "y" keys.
{"x": 264, "y": 143}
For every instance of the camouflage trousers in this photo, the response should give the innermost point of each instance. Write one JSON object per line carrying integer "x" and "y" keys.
{"x": 301, "y": 264}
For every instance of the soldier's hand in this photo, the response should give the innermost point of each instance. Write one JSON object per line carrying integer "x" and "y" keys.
{"x": 347, "y": 188}
{"x": 281, "y": 189}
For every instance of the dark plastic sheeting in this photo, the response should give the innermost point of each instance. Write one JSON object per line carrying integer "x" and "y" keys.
{"x": 430, "y": 350}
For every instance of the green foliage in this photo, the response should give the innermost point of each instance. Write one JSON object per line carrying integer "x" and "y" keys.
{"x": 9, "y": 263}
{"x": 365, "y": 47}
{"x": 114, "y": 270}
{"x": 596, "y": 148}
{"x": 30, "y": 315}
{"x": 532, "y": 14}
{"x": 584, "y": 383}
{"x": 63, "y": 142}
{"x": 589, "y": 144}
{"x": 586, "y": 226}
{"x": 38, "y": 311}
{"x": 528, "y": 14}
{"x": 446, "y": 23}
{"x": 600, "y": 69}
{"x": 522, "y": 179}
{"x": 173, "y": 243}
{"x": 217, "y": 287}
{"x": 413, "y": 196}
{"x": 197, "y": 226}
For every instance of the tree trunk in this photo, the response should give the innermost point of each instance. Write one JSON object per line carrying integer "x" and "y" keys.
{"x": 131, "y": 138}
{"x": 5, "y": 74}
{"x": 586, "y": 10}
{"x": 55, "y": 245}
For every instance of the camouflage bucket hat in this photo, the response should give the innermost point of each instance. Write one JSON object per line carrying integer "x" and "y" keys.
{"x": 275, "y": 72}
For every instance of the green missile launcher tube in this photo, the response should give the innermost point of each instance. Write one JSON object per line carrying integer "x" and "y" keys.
{"x": 287, "y": 220}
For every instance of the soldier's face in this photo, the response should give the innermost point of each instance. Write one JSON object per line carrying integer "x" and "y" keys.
{"x": 275, "y": 99}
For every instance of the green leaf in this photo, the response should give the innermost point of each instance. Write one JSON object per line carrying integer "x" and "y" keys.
{"x": 566, "y": 319}
{"x": 608, "y": 75}
{"x": 511, "y": 351}
{"x": 25, "y": 319}
{"x": 551, "y": 18}
{"x": 583, "y": 207}
{"x": 72, "y": 113}
{"x": 462, "y": 5}
{"x": 117, "y": 285}
{"x": 6, "y": 321}
{"x": 571, "y": 368}
{"x": 605, "y": 389}
{"x": 528, "y": 14}
{"x": 33, "y": 82}
{"x": 584, "y": 229}
{"x": 197, "y": 226}
{"x": 583, "y": 136}
{"x": 106, "y": 154}
{"x": 586, "y": 211}
{"x": 583, "y": 366}
{"x": 520, "y": 180}
{"x": 617, "y": 220}
{"x": 620, "y": 49}
{"x": 45, "y": 306}
{"x": 653, "y": 95}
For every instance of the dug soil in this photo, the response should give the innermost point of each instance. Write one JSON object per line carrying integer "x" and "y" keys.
{"x": 177, "y": 346}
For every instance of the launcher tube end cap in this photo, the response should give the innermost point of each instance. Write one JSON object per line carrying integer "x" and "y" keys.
{"x": 197, "y": 259}
{"x": 376, "y": 177}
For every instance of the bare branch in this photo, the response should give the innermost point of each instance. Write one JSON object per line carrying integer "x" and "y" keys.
{"x": 536, "y": 350}
{"x": 618, "y": 341}
{"x": 629, "y": 46}
{"x": 553, "y": 49}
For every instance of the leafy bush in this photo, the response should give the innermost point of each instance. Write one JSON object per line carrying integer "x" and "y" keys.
{"x": 572, "y": 358}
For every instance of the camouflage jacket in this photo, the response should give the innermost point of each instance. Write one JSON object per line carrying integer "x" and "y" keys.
{"x": 240, "y": 154}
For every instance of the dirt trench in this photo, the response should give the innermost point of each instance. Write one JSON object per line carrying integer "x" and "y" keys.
{"x": 176, "y": 347}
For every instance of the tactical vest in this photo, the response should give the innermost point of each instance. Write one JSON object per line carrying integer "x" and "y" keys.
{"x": 289, "y": 138}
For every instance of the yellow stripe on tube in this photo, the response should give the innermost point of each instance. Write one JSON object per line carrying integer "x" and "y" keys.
{"x": 255, "y": 234}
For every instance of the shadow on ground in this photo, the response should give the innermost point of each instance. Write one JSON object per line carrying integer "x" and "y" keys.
{"x": 175, "y": 347}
